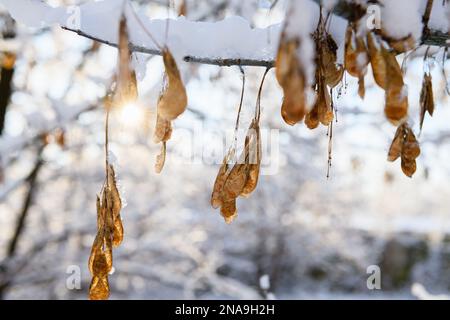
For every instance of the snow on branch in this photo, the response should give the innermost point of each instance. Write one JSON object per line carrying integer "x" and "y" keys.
{"x": 435, "y": 31}
{"x": 229, "y": 42}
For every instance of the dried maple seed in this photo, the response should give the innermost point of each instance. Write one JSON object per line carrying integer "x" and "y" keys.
{"x": 408, "y": 167}
{"x": 160, "y": 159}
{"x": 333, "y": 72}
{"x": 406, "y": 147}
{"x": 395, "y": 150}
{"x": 126, "y": 84}
{"x": 173, "y": 100}
{"x": 396, "y": 104}
{"x": 426, "y": 98}
{"x": 399, "y": 45}
{"x": 99, "y": 288}
{"x": 254, "y": 154}
{"x": 235, "y": 182}
{"x": 163, "y": 130}
{"x": 228, "y": 211}
{"x": 411, "y": 148}
{"x": 376, "y": 60}
{"x": 355, "y": 55}
{"x": 291, "y": 77}
{"x": 216, "y": 196}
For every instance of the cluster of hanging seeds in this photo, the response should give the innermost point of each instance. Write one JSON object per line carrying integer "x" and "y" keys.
{"x": 406, "y": 147}
{"x": 328, "y": 74}
{"x": 291, "y": 76}
{"x": 109, "y": 235}
{"x": 238, "y": 175}
{"x": 388, "y": 75}
{"x": 109, "y": 204}
{"x": 171, "y": 103}
{"x": 241, "y": 178}
{"x": 361, "y": 48}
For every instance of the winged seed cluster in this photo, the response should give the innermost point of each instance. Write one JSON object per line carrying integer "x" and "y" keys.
{"x": 361, "y": 48}
{"x": 238, "y": 176}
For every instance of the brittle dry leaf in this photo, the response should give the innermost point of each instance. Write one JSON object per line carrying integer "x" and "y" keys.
{"x": 173, "y": 100}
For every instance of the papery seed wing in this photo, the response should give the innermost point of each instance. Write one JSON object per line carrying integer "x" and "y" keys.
{"x": 99, "y": 288}
{"x": 395, "y": 149}
{"x": 118, "y": 232}
{"x": 126, "y": 89}
{"x": 408, "y": 167}
{"x": 426, "y": 98}
{"x": 163, "y": 130}
{"x": 396, "y": 107}
{"x": 173, "y": 101}
{"x": 216, "y": 196}
{"x": 377, "y": 61}
{"x": 254, "y": 160}
{"x": 325, "y": 112}
{"x": 400, "y": 45}
{"x": 290, "y": 76}
{"x": 332, "y": 71}
{"x": 411, "y": 148}
{"x": 228, "y": 211}
{"x": 161, "y": 159}
{"x": 115, "y": 195}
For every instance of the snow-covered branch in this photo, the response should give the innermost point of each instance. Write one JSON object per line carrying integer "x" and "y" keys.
{"x": 188, "y": 58}
{"x": 353, "y": 11}
{"x": 231, "y": 41}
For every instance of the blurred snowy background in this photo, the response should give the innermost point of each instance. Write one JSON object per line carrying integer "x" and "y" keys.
{"x": 299, "y": 235}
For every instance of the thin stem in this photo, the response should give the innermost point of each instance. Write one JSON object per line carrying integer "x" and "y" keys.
{"x": 107, "y": 140}
{"x": 167, "y": 23}
{"x": 258, "y": 99}
{"x": 144, "y": 28}
{"x": 236, "y": 127}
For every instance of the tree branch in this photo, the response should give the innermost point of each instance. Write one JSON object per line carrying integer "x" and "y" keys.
{"x": 353, "y": 11}
{"x": 32, "y": 179}
{"x": 347, "y": 10}
{"x": 204, "y": 60}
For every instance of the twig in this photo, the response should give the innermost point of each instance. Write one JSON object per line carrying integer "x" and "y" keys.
{"x": 32, "y": 179}
{"x": 353, "y": 11}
